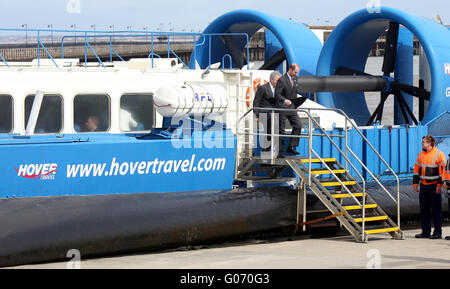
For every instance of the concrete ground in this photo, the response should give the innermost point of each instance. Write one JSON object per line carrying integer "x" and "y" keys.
{"x": 299, "y": 252}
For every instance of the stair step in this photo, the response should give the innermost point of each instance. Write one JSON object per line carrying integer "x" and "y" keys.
{"x": 385, "y": 230}
{"x": 265, "y": 180}
{"x": 337, "y": 196}
{"x": 327, "y": 160}
{"x": 334, "y": 184}
{"x": 326, "y": 172}
{"x": 371, "y": 219}
{"x": 265, "y": 167}
{"x": 357, "y": 207}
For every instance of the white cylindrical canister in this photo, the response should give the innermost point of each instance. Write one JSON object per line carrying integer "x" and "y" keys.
{"x": 204, "y": 99}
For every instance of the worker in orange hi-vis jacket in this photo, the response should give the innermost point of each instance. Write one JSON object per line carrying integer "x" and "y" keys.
{"x": 429, "y": 171}
{"x": 446, "y": 182}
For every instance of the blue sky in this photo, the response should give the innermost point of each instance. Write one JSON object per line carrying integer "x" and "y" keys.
{"x": 190, "y": 15}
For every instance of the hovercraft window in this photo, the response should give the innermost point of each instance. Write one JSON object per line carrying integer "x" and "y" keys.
{"x": 136, "y": 112}
{"x": 91, "y": 113}
{"x": 50, "y": 115}
{"x": 6, "y": 113}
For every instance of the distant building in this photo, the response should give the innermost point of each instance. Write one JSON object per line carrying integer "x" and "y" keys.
{"x": 323, "y": 32}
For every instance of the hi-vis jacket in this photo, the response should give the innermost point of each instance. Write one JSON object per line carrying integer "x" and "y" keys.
{"x": 430, "y": 168}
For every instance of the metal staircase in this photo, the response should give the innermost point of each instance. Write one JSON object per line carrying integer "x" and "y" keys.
{"x": 331, "y": 182}
{"x": 344, "y": 195}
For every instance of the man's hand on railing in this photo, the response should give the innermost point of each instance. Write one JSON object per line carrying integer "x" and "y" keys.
{"x": 287, "y": 102}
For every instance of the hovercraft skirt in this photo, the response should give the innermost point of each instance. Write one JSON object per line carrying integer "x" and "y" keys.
{"x": 44, "y": 229}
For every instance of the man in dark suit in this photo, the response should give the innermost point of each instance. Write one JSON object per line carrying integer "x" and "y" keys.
{"x": 286, "y": 97}
{"x": 265, "y": 98}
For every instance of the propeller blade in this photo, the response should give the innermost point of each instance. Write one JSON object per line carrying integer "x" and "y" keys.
{"x": 274, "y": 61}
{"x": 341, "y": 70}
{"x": 421, "y": 101}
{"x": 235, "y": 51}
{"x": 404, "y": 105}
{"x": 412, "y": 90}
{"x": 378, "y": 113}
{"x": 390, "y": 51}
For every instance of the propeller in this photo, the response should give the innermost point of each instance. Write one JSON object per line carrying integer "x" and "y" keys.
{"x": 395, "y": 88}
{"x": 239, "y": 58}
{"x": 348, "y": 71}
{"x": 237, "y": 54}
{"x": 274, "y": 61}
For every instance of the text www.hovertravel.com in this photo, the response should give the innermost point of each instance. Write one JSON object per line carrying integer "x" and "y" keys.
{"x": 145, "y": 167}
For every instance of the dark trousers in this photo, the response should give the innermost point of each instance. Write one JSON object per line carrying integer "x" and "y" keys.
{"x": 265, "y": 119}
{"x": 448, "y": 201}
{"x": 294, "y": 120}
{"x": 430, "y": 208}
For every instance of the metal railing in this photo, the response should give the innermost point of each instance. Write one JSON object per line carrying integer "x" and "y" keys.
{"x": 3, "y": 59}
{"x": 230, "y": 59}
{"x": 198, "y": 39}
{"x": 311, "y": 151}
{"x": 210, "y": 35}
{"x": 309, "y": 136}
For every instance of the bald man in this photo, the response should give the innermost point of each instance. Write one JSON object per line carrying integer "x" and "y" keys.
{"x": 286, "y": 97}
